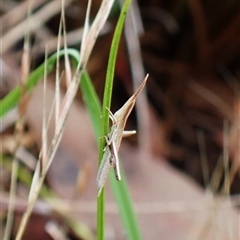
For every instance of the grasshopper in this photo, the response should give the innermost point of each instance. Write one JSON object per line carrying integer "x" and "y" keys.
{"x": 114, "y": 138}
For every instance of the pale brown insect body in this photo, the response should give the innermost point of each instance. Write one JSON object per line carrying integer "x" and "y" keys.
{"x": 114, "y": 138}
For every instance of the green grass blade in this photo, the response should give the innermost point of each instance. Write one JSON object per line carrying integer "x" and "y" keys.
{"x": 120, "y": 190}
{"x": 124, "y": 202}
{"x": 12, "y": 99}
{"x": 105, "y": 119}
{"x": 92, "y": 103}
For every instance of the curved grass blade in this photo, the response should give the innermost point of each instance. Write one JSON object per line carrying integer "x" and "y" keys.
{"x": 12, "y": 99}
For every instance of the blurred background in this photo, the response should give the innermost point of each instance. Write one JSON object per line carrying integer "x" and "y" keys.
{"x": 187, "y": 119}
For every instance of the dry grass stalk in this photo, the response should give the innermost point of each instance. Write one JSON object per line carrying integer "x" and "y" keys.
{"x": 19, "y": 129}
{"x": 86, "y": 48}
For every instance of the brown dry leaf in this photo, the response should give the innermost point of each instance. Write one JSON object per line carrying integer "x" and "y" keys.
{"x": 164, "y": 199}
{"x": 76, "y": 148}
